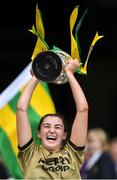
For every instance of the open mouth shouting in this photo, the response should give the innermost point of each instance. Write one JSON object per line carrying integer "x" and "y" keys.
{"x": 51, "y": 138}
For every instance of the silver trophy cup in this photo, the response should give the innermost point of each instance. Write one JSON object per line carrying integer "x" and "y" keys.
{"x": 49, "y": 66}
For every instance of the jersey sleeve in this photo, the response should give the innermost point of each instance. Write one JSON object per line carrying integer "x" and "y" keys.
{"x": 76, "y": 152}
{"x": 25, "y": 154}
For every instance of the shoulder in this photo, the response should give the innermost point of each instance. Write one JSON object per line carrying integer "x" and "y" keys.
{"x": 105, "y": 156}
{"x": 106, "y": 159}
{"x": 75, "y": 153}
{"x": 75, "y": 148}
{"x": 29, "y": 146}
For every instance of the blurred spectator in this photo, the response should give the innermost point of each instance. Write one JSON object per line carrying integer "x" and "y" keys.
{"x": 113, "y": 152}
{"x": 98, "y": 163}
{"x": 4, "y": 173}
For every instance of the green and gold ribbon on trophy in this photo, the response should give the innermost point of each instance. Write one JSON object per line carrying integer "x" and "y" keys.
{"x": 48, "y": 64}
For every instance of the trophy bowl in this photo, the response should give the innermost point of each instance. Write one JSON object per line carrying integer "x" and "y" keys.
{"x": 48, "y": 66}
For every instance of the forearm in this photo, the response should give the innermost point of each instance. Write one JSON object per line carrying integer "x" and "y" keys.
{"x": 78, "y": 94}
{"x": 25, "y": 98}
{"x": 24, "y": 132}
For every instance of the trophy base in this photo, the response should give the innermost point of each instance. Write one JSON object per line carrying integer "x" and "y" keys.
{"x": 48, "y": 66}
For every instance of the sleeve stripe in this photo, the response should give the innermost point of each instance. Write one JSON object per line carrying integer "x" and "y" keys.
{"x": 76, "y": 147}
{"x": 26, "y": 145}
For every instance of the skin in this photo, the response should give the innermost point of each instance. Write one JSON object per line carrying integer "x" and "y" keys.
{"x": 94, "y": 144}
{"x": 79, "y": 127}
{"x": 52, "y": 133}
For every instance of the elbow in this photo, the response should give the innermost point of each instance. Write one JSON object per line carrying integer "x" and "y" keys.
{"x": 83, "y": 108}
{"x": 21, "y": 107}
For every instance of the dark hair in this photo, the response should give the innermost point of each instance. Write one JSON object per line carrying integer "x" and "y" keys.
{"x": 53, "y": 115}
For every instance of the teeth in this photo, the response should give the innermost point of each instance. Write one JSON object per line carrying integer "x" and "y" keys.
{"x": 51, "y": 138}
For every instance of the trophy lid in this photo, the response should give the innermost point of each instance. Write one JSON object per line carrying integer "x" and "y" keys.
{"x": 47, "y": 66}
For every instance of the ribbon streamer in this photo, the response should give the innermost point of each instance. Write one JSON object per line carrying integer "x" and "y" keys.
{"x": 74, "y": 46}
{"x": 41, "y": 44}
{"x": 78, "y": 28}
{"x": 96, "y": 38}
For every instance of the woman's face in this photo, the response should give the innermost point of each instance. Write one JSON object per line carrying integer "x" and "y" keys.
{"x": 94, "y": 143}
{"x": 52, "y": 133}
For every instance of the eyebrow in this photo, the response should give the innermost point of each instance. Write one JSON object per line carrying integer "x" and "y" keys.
{"x": 50, "y": 124}
{"x": 45, "y": 124}
{"x": 59, "y": 125}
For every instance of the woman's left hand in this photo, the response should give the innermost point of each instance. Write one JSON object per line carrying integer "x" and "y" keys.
{"x": 71, "y": 65}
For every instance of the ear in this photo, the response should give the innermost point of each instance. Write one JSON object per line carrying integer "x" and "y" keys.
{"x": 38, "y": 134}
{"x": 65, "y": 135}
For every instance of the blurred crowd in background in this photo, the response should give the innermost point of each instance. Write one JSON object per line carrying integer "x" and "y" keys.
{"x": 100, "y": 156}
{"x": 100, "y": 160}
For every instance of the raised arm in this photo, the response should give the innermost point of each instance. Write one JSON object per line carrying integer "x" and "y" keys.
{"x": 79, "y": 127}
{"x": 24, "y": 132}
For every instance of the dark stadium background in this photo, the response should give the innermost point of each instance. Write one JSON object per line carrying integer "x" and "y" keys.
{"x": 100, "y": 85}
